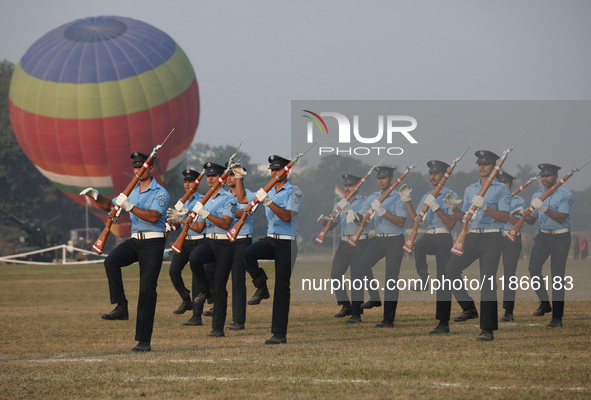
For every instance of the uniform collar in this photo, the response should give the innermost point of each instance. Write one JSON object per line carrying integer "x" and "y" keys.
{"x": 286, "y": 186}
{"x": 153, "y": 185}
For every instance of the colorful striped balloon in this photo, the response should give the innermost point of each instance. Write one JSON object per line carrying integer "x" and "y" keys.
{"x": 89, "y": 93}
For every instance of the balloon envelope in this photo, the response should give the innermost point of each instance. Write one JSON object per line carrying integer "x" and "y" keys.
{"x": 90, "y": 92}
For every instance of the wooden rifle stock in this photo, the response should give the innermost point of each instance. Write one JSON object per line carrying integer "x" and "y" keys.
{"x": 410, "y": 242}
{"x": 458, "y": 247}
{"x": 178, "y": 244}
{"x": 320, "y": 238}
{"x": 354, "y": 238}
{"x": 233, "y": 232}
{"x": 512, "y": 234}
{"x": 99, "y": 245}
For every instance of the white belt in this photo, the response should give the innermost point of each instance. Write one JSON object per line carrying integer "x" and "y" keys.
{"x": 555, "y": 231}
{"x": 282, "y": 237}
{"x": 345, "y": 238}
{"x": 195, "y": 237}
{"x": 217, "y": 236}
{"x": 243, "y": 237}
{"x": 432, "y": 231}
{"x": 147, "y": 235}
{"x": 505, "y": 232}
{"x": 387, "y": 234}
{"x": 484, "y": 231}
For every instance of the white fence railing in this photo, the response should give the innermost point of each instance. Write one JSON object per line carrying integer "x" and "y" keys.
{"x": 68, "y": 255}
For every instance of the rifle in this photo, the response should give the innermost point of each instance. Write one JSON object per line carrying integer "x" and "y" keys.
{"x": 100, "y": 242}
{"x": 512, "y": 234}
{"x": 178, "y": 244}
{"x": 458, "y": 247}
{"x": 410, "y": 242}
{"x": 320, "y": 238}
{"x": 181, "y": 203}
{"x": 524, "y": 185}
{"x": 369, "y": 214}
{"x": 232, "y": 233}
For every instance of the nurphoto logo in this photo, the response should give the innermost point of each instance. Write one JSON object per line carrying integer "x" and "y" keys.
{"x": 390, "y": 129}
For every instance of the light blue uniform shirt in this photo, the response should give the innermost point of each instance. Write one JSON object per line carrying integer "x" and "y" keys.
{"x": 247, "y": 227}
{"x": 189, "y": 204}
{"x": 560, "y": 201}
{"x": 393, "y": 204}
{"x": 220, "y": 205}
{"x": 347, "y": 229}
{"x": 289, "y": 197}
{"x": 432, "y": 220}
{"x": 154, "y": 197}
{"x": 516, "y": 202}
{"x": 498, "y": 197}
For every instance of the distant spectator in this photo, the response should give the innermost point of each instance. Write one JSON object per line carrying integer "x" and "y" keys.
{"x": 577, "y": 247}
{"x": 583, "y": 245}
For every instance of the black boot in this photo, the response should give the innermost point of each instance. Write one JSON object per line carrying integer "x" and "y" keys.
{"x": 119, "y": 312}
{"x": 186, "y": 305}
{"x": 261, "y": 294}
{"x": 345, "y": 310}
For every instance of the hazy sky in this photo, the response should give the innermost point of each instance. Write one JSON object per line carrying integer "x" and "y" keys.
{"x": 252, "y": 58}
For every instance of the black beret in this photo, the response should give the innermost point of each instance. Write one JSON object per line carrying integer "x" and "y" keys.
{"x": 383, "y": 171}
{"x": 277, "y": 162}
{"x": 213, "y": 169}
{"x": 350, "y": 180}
{"x": 486, "y": 157}
{"x": 190, "y": 174}
{"x": 548, "y": 169}
{"x": 436, "y": 166}
{"x": 504, "y": 177}
{"x": 139, "y": 159}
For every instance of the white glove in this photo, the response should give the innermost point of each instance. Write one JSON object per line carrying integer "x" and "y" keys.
{"x": 170, "y": 227}
{"x": 432, "y": 202}
{"x": 352, "y": 216}
{"x": 200, "y": 210}
{"x": 405, "y": 192}
{"x": 180, "y": 206}
{"x": 344, "y": 204}
{"x": 174, "y": 215}
{"x": 322, "y": 220}
{"x": 518, "y": 212}
{"x": 238, "y": 171}
{"x": 539, "y": 205}
{"x": 450, "y": 201}
{"x": 377, "y": 206}
{"x": 479, "y": 202}
{"x": 124, "y": 202}
{"x": 90, "y": 192}
{"x": 263, "y": 197}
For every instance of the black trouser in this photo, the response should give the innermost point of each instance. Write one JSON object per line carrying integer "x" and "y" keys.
{"x": 148, "y": 252}
{"x": 284, "y": 252}
{"x": 487, "y": 248}
{"x": 239, "y": 281}
{"x": 176, "y": 269}
{"x": 437, "y": 244}
{"x": 220, "y": 252}
{"x": 376, "y": 249}
{"x": 511, "y": 253}
{"x": 346, "y": 256}
{"x": 556, "y": 247}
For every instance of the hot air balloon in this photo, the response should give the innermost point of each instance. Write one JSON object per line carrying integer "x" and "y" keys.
{"x": 90, "y": 92}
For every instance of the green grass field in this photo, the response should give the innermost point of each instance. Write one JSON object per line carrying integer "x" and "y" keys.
{"x": 53, "y": 344}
